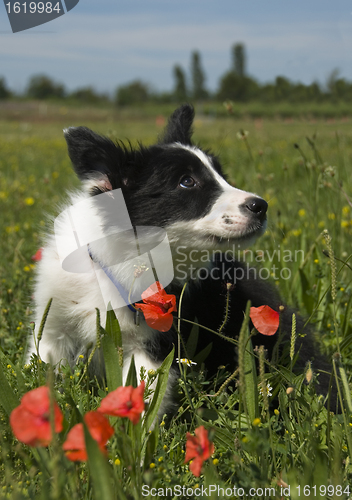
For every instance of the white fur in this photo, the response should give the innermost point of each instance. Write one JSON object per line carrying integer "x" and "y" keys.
{"x": 225, "y": 220}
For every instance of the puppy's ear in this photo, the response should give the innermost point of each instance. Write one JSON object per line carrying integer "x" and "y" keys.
{"x": 179, "y": 127}
{"x": 95, "y": 158}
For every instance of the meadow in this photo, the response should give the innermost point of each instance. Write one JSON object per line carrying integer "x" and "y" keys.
{"x": 282, "y": 441}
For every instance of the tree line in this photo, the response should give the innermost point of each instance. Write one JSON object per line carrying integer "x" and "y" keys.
{"x": 234, "y": 85}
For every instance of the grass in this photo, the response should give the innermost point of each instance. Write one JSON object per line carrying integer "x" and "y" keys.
{"x": 295, "y": 444}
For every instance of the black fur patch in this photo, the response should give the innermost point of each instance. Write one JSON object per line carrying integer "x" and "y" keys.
{"x": 150, "y": 178}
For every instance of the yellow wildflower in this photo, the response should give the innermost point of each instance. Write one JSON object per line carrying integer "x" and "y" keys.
{"x": 29, "y": 201}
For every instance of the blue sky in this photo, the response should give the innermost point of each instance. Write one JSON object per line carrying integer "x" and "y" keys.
{"x": 106, "y": 43}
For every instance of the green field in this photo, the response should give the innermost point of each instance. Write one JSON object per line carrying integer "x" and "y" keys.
{"x": 303, "y": 168}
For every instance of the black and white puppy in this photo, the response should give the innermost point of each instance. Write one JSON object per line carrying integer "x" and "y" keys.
{"x": 166, "y": 196}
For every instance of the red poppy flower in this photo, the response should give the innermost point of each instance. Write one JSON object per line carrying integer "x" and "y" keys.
{"x": 198, "y": 448}
{"x": 158, "y": 307}
{"x": 100, "y": 430}
{"x": 124, "y": 402}
{"x": 265, "y": 319}
{"x": 38, "y": 255}
{"x": 30, "y": 421}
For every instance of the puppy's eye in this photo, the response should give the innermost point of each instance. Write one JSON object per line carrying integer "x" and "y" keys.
{"x": 187, "y": 182}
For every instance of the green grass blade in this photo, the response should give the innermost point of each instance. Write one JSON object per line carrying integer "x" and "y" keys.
{"x": 246, "y": 370}
{"x": 99, "y": 471}
{"x": 308, "y": 300}
{"x": 152, "y": 442}
{"x": 251, "y": 382}
{"x": 203, "y": 354}
{"x": 113, "y": 369}
{"x": 347, "y": 315}
{"x": 111, "y": 344}
{"x": 21, "y": 386}
{"x": 346, "y": 388}
{"x": 113, "y": 329}
{"x": 160, "y": 390}
{"x": 8, "y": 399}
{"x": 347, "y": 341}
{"x": 131, "y": 378}
{"x": 192, "y": 341}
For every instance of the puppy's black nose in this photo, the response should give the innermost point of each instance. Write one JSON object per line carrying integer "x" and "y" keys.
{"x": 257, "y": 206}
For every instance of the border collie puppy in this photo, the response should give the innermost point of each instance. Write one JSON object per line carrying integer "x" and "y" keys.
{"x": 119, "y": 234}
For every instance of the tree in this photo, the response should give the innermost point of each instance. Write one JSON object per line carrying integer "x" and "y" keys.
{"x": 237, "y": 88}
{"x": 283, "y": 88}
{"x": 88, "y": 95}
{"x": 338, "y": 88}
{"x": 314, "y": 92}
{"x": 135, "y": 92}
{"x": 299, "y": 92}
{"x": 267, "y": 92}
{"x": 43, "y": 87}
{"x": 234, "y": 84}
{"x": 4, "y": 91}
{"x": 331, "y": 82}
{"x": 180, "y": 92}
{"x": 239, "y": 60}
{"x": 343, "y": 89}
{"x": 198, "y": 77}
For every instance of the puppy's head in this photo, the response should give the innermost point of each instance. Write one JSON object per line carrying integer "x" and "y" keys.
{"x": 172, "y": 184}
